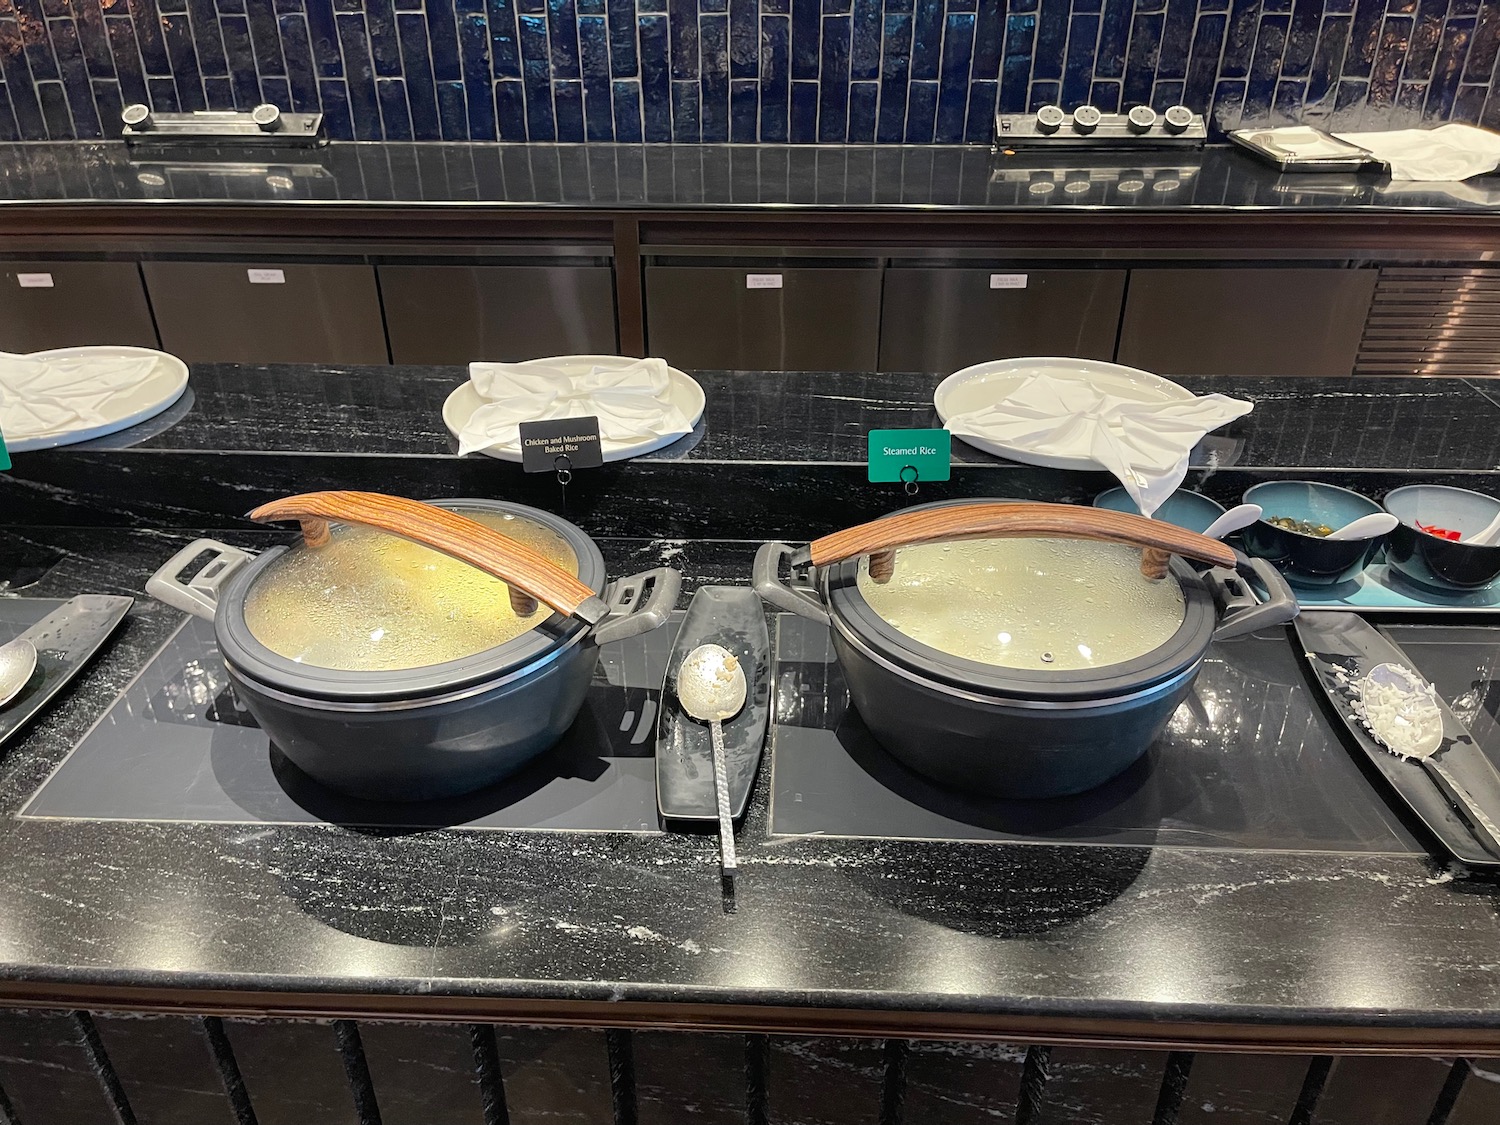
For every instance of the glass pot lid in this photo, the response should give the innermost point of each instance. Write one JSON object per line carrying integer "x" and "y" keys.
{"x": 1032, "y": 605}
{"x": 370, "y": 600}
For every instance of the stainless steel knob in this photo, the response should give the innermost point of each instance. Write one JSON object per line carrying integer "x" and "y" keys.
{"x": 137, "y": 115}
{"x": 1141, "y": 118}
{"x": 267, "y": 116}
{"x": 1086, "y": 119}
{"x": 1049, "y": 118}
{"x": 1178, "y": 118}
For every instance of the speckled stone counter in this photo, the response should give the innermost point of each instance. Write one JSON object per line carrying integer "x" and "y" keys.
{"x": 1168, "y": 944}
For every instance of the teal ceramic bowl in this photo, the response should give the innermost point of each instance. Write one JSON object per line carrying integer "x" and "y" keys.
{"x": 1310, "y": 560}
{"x": 1191, "y": 510}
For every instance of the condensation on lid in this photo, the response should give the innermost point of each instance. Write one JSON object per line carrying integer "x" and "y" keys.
{"x": 370, "y": 600}
{"x": 1035, "y": 604}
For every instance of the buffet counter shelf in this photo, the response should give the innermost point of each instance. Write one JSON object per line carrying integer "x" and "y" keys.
{"x": 1218, "y": 943}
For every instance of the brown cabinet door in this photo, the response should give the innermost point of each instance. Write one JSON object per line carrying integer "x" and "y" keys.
{"x": 238, "y": 312}
{"x": 770, "y": 318}
{"x": 942, "y": 319}
{"x": 63, "y": 304}
{"x": 454, "y": 314}
{"x": 1238, "y": 321}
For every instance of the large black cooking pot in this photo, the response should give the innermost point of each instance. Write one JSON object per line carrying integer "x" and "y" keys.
{"x": 434, "y": 729}
{"x": 1016, "y": 731}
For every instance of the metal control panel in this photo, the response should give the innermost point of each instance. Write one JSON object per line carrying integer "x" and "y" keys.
{"x": 263, "y": 125}
{"x": 1088, "y": 127}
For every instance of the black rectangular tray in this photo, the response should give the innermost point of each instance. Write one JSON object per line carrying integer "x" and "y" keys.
{"x": 1337, "y": 643}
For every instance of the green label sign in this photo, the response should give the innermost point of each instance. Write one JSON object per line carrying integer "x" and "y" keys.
{"x": 4, "y": 454}
{"x": 909, "y": 455}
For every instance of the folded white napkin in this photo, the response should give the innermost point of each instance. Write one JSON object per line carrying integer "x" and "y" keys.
{"x": 632, "y": 403}
{"x": 1145, "y": 444}
{"x": 1449, "y": 152}
{"x": 43, "y": 396}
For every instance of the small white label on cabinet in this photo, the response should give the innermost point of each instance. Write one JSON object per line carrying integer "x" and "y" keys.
{"x": 34, "y": 280}
{"x": 266, "y": 277}
{"x": 762, "y": 281}
{"x": 1007, "y": 281}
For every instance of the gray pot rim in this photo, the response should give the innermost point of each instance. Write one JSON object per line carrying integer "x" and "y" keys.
{"x": 245, "y": 654}
{"x": 840, "y": 593}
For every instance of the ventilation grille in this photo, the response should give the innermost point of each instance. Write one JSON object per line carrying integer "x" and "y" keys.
{"x": 1433, "y": 322}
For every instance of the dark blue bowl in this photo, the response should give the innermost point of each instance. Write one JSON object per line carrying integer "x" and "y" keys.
{"x": 1191, "y": 510}
{"x": 1310, "y": 560}
{"x": 1430, "y": 560}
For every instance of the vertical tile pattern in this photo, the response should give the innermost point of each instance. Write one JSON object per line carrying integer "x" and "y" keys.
{"x": 858, "y": 71}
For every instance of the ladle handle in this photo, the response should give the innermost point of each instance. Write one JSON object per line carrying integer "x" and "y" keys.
{"x": 1018, "y": 521}
{"x": 452, "y": 534}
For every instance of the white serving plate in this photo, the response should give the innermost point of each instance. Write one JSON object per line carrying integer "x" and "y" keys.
{"x": 683, "y": 392}
{"x": 162, "y": 386}
{"x": 985, "y": 384}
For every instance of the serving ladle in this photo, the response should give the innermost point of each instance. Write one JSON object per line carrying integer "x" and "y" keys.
{"x": 711, "y": 688}
{"x": 1240, "y": 516}
{"x": 17, "y": 662}
{"x": 1366, "y": 527}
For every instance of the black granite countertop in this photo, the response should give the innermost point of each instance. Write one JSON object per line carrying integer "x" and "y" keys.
{"x": 622, "y": 177}
{"x": 1241, "y": 939}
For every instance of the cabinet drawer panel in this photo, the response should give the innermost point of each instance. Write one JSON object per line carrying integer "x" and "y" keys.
{"x": 65, "y": 304}
{"x": 810, "y": 319}
{"x": 454, "y": 314}
{"x": 941, "y": 320}
{"x": 1245, "y": 321}
{"x": 292, "y": 313}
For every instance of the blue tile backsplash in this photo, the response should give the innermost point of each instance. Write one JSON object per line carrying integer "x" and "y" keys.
{"x": 914, "y": 71}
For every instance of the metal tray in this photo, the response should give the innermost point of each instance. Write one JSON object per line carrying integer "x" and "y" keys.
{"x": 1340, "y": 157}
{"x": 732, "y": 616}
{"x": 1343, "y": 643}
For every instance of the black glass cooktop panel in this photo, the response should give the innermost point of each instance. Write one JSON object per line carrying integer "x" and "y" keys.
{"x": 1248, "y": 761}
{"x": 178, "y": 746}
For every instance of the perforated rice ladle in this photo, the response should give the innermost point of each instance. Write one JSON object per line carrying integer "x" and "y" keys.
{"x": 711, "y": 688}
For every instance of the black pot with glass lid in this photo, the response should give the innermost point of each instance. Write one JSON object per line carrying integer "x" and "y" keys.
{"x": 1021, "y": 649}
{"x": 406, "y": 651}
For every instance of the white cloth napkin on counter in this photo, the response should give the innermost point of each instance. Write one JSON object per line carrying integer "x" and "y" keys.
{"x": 1145, "y": 444}
{"x": 44, "y": 396}
{"x": 632, "y": 403}
{"x": 1449, "y": 152}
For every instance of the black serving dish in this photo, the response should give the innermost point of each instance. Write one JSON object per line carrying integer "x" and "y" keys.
{"x": 1430, "y": 560}
{"x": 1310, "y": 560}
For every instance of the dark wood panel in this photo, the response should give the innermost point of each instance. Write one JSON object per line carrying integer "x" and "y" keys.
{"x": 825, "y": 1081}
{"x": 962, "y": 1083}
{"x": 1093, "y": 1087}
{"x": 555, "y": 1076}
{"x": 87, "y": 303}
{"x": 293, "y": 1072}
{"x": 1242, "y": 1089}
{"x": 166, "y": 1069}
{"x": 683, "y": 1077}
{"x": 423, "y": 1074}
{"x": 1364, "y": 1091}
{"x": 46, "y": 1074}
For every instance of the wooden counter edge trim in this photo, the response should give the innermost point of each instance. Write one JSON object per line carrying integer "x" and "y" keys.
{"x": 1141, "y": 1034}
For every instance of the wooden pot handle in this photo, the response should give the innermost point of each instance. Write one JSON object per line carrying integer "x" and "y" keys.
{"x": 879, "y": 538}
{"x": 531, "y": 577}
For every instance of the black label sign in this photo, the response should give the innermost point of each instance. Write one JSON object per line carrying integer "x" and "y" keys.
{"x": 564, "y": 443}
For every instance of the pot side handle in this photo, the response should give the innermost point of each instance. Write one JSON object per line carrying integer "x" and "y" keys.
{"x": 200, "y": 594}
{"x": 766, "y": 577}
{"x": 630, "y": 613}
{"x": 879, "y": 538}
{"x": 1279, "y": 607}
{"x": 531, "y": 577}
